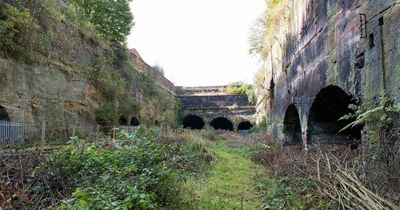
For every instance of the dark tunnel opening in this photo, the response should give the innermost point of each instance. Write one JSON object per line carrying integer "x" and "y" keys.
{"x": 245, "y": 126}
{"x": 123, "y": 121}
{"x": 292, "y": 126}
{"x": 221, "y": 123}
{"x": 3, "y": 114}
{"x": 193, "y": 122}
{"x": 329, "y": 106}
{"x": 135, "y": 121}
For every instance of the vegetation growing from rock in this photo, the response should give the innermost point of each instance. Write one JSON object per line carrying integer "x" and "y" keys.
{"x": 16, "y": 28}
{"x": 48, "y": 33}
{"x": 113, "y": 19}
{"x": 263, "y": 29}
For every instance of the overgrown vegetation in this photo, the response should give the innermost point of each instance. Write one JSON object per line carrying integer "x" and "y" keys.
{"x": 16, "y": 28}
{"x": 241, "y": 88}
{"x": 262, "y": 35}
{"x": 228, "y": 184}
{"x": 381, "y": 142}
{"x": 324, "y": 177}
{"x": 263, "y": 30}
{"x": 113, "y": 19}
{"x": 141, "y": 170}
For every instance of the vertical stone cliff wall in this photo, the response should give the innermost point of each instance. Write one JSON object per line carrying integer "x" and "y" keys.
{"x": 64, "y": 85}
{"x": 318, "y": 46}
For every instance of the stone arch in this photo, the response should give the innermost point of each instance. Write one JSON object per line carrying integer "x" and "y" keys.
{"x": 244, "y": 126}
{"x": 222, "y": 123}
{"x": 292, "y": 126}
{"x": 123, "y": 121}
{"x": 193, "y": 122}
{"x": 3, "y": 114}
{"x": 330, "y": 104}
{"x": 134, "y": 122}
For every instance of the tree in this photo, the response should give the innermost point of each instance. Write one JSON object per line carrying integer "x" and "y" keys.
{"x": 112, "y": 18}
{"x": 242, "y": 88}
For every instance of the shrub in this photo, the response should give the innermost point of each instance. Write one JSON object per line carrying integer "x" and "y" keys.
{"x": 241, "y": 88}
{"x": 107, "y": 114}
{"x": 132, "y": 172}
{"x": 16, "y": 29}
{"x": 113, "y": 19}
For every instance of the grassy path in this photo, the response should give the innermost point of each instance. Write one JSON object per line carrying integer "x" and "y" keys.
{"x": 229, "y": 184}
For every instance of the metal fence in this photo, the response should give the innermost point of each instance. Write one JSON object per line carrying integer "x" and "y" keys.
{"x": 46, "y": 134}
{"x": 11, "y": 133}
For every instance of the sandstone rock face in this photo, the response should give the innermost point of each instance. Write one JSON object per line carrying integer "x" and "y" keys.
{"x": 318, "y": 54}
{"x": 59, "y": 87}
{"x": 46, "y": 92}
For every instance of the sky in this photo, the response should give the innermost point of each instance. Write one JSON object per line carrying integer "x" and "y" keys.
{"x": 197, "y": 42}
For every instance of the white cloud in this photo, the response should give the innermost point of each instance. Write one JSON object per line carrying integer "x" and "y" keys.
{"x": 202, "y": 42}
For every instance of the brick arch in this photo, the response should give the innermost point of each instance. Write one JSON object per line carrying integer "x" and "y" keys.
{"x": 244, "y": 125}
{"x": 123, "y": 120}
{"x": 329, "y": 105}
{"x": 292, "y": 126}
{"x": 193, "y": 121}
{"x": 222, "y": 123}
{"x": 134, "y": 121}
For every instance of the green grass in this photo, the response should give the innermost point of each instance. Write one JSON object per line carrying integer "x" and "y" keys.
{"x": 229, "y": 184}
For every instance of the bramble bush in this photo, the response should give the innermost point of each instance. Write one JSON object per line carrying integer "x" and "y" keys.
{"x": 135, "y": 171}
{"x": 132, "y": 172}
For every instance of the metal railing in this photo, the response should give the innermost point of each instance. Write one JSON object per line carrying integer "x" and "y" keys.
{"x": 14, "y": 134}
{"x": 11, "y": 133}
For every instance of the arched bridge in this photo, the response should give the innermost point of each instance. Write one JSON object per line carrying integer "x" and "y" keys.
{"x": 202, "y": 106}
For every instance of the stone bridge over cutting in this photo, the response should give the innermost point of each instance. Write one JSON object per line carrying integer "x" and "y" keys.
{"x": 211, "y": 106}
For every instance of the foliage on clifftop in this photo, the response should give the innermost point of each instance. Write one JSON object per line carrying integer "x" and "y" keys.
{"x": 264, "y": 27}
{"x": 262, "y": 35}
{"x": 113, "y": 19}
{"x": 241, "y": 88}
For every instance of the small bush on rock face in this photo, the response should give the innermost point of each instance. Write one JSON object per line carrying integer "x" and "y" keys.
{"x": 132, "y": 172}
{"x": 16, "y": 28}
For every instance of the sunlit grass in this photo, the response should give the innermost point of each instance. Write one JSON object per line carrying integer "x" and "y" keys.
{"x": 228, "y": 185}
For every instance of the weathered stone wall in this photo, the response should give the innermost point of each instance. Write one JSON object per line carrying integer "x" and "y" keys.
{"x": 161, "y": 80}
{"x": 219, "y": 101}
{"x": 59, "y": 87}
{"x": 317, "y": 44}
{"x": 56, "y": 90}
{"x": 236, "y": 108}
{"x": 202, "y": 91}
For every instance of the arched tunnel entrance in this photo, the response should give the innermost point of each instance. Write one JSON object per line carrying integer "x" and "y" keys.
{"x": 193, "y": 122}
{"x": 222, "y": 123}
{"x": 123, "y": 121}
{"x": 135, "y": 121}
{"x": 3, "y": 114}
{"x": 292, "y": 126}
{"x": 245, "y": 126}
{"x": 329, "y": 106}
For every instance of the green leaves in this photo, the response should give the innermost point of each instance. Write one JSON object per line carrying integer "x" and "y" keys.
{"x": 242, "y": 88}
{"x": 113, "y": 19}
{"x": 16, "y": 29}
{"x": 129, "y": 173}
{"x": 381, "y": 114}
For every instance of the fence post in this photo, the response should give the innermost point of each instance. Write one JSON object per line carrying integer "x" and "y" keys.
{"x": 43, "y": 137}
{"x": 113, "y": 133}
{"x": 97, "y": 132}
